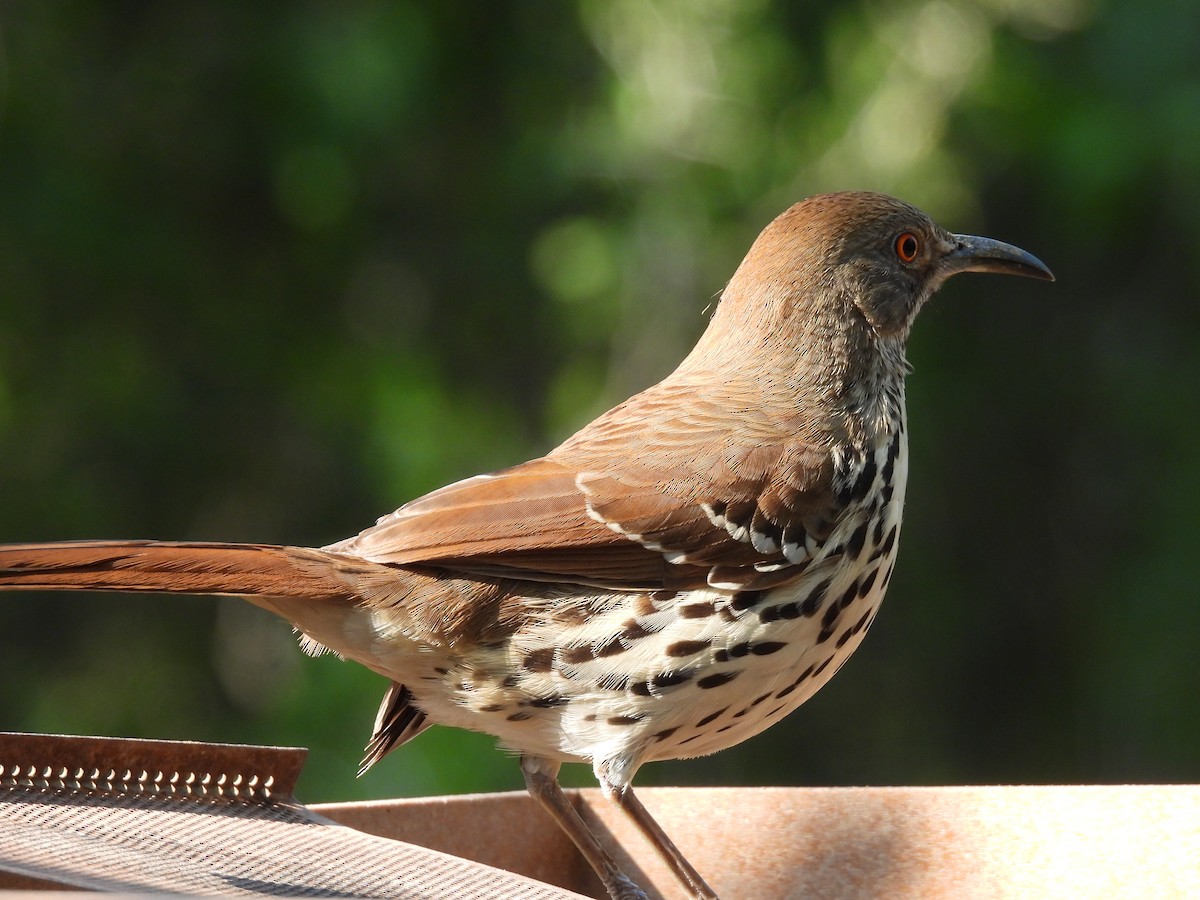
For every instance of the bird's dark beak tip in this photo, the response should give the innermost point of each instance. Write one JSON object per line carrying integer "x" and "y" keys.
{"x": 1040, "y": 272}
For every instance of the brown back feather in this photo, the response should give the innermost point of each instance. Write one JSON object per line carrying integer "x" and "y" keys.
{"x": 628, "y": 502}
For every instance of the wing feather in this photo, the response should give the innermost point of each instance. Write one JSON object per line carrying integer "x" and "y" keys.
{"x": 647, "y": 497}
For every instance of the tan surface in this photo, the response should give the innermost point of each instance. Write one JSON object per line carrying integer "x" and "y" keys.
{"x": 130, "y": 816}
{"x": 508, "y": 831}
{"x": 845, "y": 843}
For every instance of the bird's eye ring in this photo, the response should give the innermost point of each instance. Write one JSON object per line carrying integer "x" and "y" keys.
{"x": 907, "y": 246}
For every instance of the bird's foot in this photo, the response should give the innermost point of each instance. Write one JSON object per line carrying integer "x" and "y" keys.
{"x": 621, "y": 888}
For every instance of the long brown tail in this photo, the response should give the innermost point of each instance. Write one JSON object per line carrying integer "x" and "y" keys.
{"x": 313, "y": 589}
{"x": 247, "y": 570}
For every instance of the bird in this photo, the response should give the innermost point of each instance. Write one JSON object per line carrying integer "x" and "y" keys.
{"x": 675, "y": 577}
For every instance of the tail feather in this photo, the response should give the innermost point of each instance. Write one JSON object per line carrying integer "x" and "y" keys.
{"x": 172, "y": 567}
{"x": 318, "y": 591}
{"x": 398, "y": 722}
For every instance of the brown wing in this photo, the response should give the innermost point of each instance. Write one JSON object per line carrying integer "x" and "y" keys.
{"x": 529, "y": 521}
{"x": 646, "y": 497}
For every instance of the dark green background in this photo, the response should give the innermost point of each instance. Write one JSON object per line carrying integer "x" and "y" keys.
{"x": 269, "y": 270}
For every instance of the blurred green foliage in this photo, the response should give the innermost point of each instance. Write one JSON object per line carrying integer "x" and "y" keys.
{"x": 268, "y": 271}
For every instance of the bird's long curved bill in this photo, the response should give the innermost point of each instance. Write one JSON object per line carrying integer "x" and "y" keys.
{"x": 980, "y": 254}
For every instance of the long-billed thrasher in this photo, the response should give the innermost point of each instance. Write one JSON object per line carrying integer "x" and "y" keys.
{"x": 674, "y": 578}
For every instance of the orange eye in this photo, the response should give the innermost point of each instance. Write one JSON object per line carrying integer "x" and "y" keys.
{"x": 907, "y": 246}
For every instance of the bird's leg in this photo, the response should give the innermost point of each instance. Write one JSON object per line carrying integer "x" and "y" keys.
{"x": 625, "y": 800}
{"x": 541, "y": 780}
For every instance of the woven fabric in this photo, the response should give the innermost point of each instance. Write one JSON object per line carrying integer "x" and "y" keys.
{"x": 115, "y": 829}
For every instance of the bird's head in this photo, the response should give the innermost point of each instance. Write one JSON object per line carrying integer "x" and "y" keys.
{"x": 890, "y": 257}
{"x": 853, "y": 265}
